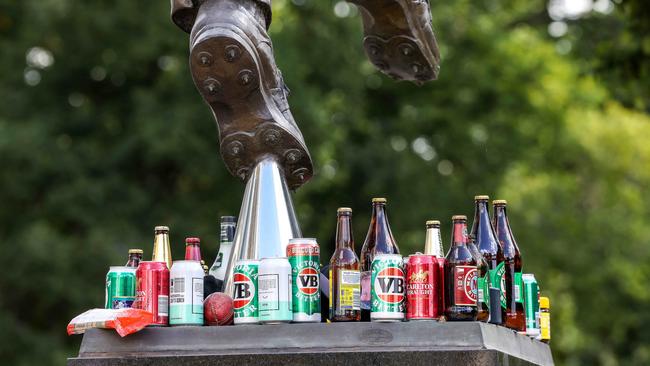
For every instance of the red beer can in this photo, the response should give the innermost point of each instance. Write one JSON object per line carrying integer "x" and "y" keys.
{"x": 152, "y": 291}
{"x": 440, "y": 263}
{"x": 423, "y": 288}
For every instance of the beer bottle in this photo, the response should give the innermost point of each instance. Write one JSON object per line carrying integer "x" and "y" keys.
{"x": 379, "y": 240}
{"x": 344, "y": 276}
{"x": 228, "y": 225}
{"x": 135, "y": 256}
{"x": 162, "y": 251}
{"x": 192, "y": 249}
{"x": 490, "y": 252}
{"x": 460, "y": 275}
{"x": 433, "y": 246}
{"x": 515, "y": 315}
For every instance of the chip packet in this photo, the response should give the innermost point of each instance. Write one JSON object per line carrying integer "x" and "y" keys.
{"x": 124, "y": 321}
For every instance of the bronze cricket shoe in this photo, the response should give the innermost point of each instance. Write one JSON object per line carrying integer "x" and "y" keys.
{"x": 399, "y": 39}
{"x": 233, "y": 67}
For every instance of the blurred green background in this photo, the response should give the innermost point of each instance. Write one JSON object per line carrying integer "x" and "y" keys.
{"x": 103, "y": 136}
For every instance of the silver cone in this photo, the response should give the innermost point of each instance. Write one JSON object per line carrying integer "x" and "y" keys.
{"x": 266, "y": 220}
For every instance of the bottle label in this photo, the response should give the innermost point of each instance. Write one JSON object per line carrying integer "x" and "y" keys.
{"x": 484, "y": 289}
{"x": 218, "y": 269}
{"x": 186, "y": 300}
{"x": 465, "y": 285}
{"x": 498, "y": 277}
{"x": 545, "y": 325}
{"x": 349, "y": 281}
{"x": 519, "y": 287}
{"x": 365, "y": 290}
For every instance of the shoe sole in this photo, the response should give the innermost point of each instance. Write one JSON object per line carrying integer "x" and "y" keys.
{"x": 396, "y": 43}
{"x": 226, "y": 69}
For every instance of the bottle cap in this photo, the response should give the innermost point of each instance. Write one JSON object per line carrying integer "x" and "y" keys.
{"x": 161, "y": 228}
{"x": 193, "y": 241}
{"x": 228, "y": 219}
{"x": 458, "y": 217}
{"x": 344, "y": 209}
{"x": 544, "y": 302}
{"x": 433, "y": 222}
{"x": 481, "y": 198}
{"x": 499, "y": 202}
{"x": 378, "y": 200}
{"x": 135, "y": 251}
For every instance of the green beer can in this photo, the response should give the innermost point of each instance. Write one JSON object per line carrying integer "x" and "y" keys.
{"x": 304, "y": 257}
{"x": 387, "y": 290}
{"x": 120, "y": 282}
{"x": 245, "y": 302}
{"x": 531, "y": 304}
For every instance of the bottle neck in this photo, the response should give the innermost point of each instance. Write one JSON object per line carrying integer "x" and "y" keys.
{"x": 227, "y": 232}
{"x": 192, "y": 252}
{"x": 459, "y": 234}
{"x": 379, "y": 235}
{"x": 344, "y": 237}
{"x": 161, "y": 248}
{"x": 482, "y": 229}
{"x": 503, "y": 231}
{"x": 433, "y": 242}
{"x": 134, "y": 260}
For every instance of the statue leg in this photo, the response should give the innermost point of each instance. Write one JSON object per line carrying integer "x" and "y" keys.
{"x": 399, "y": 39}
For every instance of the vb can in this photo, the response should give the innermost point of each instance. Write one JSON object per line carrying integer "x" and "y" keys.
{"x": 152, "y": 291}
{"x": 304, "y": 257}
{"x": 245, "y": 303}
{"x": 531, "y": 304}
{"x": 186, "y": 293}
{"x": 388, "y": 298}
{"x": 274, "y": 290}
{"x": 123, "y": 302}
{"x": 120, "y": 281}
{"x": 422, "y": 288}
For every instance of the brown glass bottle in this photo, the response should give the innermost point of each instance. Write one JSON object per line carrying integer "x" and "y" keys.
{"x": 491, "y": 254}
{"x": 460, "y": 275}
{"x": 379, "y": 240}
{"x": 344, "y": 276}
{"x": 135, "y": 256}
{"x": 515, "y": 317}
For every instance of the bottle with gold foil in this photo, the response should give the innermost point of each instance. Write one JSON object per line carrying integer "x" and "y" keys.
{"x": 433, "y": 240}
{"x": 162, "y": 251}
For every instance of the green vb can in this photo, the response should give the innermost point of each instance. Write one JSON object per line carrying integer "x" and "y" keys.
{"x": 388, "y": 300}
{"x": 531, "y": 304}
{"x": 245, "y": 302}
{"x": 303, "y": 254}
{"x": 120, "y": 281}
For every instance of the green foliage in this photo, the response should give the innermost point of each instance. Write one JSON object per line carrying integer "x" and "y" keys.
{"x": 112, "y": 139}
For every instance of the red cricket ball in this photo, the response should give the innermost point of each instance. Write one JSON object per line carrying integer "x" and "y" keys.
{"x": 218, "y": 309}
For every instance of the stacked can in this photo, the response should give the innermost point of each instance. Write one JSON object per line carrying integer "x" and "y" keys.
{"x": 245, "y": 300}
{"x": 274, "y": 290}
{"x": 531, "y": 304}
{"x": 304, "y": 257}
{"x": 423, "y": 288}
{"x": 186, "y": 293}
{"x": 120, "y": 287}
{"x": 387, "y": 291}
{"x": 152, "y": 291}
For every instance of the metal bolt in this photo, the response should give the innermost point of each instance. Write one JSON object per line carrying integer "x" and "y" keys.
{"x": 245, "y": 77}
{"x": 205, "y": 58}
{"x": 212, "y": 86}
{"x": 235, "y": 148}
{"x": 292, "y": 155}
{"x": 232, "y": 53}
{"x": 271, "y": 137}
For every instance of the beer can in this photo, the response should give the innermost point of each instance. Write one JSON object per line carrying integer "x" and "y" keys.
{"x": 152, "y": 291}
{"x": 186, "y": 293}
{"x": 387, "y": 290}
{"x": 120, "y": 281}
{"x": 124, "y": 302}
{"x": 245, "y": 302}
{"x": 274, "y": 290}
{"x": 304, "y": 257}
{"x": 440, "y": 263}
{"x": 422, "y": 288}
{"x": 531, "y": 304}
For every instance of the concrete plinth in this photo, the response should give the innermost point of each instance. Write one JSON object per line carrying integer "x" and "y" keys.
{"x": 410, "y": 343}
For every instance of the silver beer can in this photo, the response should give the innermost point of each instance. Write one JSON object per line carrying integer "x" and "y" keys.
{"x": 186, "y": 293}
{"x": 274, "y": 291}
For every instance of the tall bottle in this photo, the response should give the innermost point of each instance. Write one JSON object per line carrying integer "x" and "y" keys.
{"x": 135, "y": 256}
{"x": 228, "y": 226}
{"x": 379, "y": 240}
{"x": 433, "y": 246}
{"x": 162, "y": 251}
{"x": 515, "y": 315}
{"x": 491, "y": 254}
{"x": 193, "y": 249}
{"x": 460, "y": 275}
{"x": 344, "y": 276}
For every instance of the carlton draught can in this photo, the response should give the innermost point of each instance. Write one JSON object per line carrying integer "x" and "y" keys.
{"x": 120, "y": 281}
{"x": 152, "y": 291}
{"x": 274, "y": 290}
{"x": 244, "y": 296}
{"x": 304, "y": 258}
{"x": 387, "y": 292}
{"x": 423, "y": 288}
{"x": 186, "y": 293}
{"x": 531, "y": 304}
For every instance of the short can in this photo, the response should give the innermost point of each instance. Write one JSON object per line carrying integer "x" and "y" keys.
{"x": 123, "y": 302}
{"x": 304, "y": 257}
{"x": 274, "y": 290}
{"x": 388, "y": 288}
{"x": 422, "y": 288}
{"x": 245, "y": 301}
{"x": 120, "y": 281}
{"x": 186, "y": 293}
{"x": 531, "y": 304}
{"x": 152, "y": 291}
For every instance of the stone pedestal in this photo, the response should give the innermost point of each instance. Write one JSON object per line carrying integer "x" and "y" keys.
{"x": 409, "y": 343}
